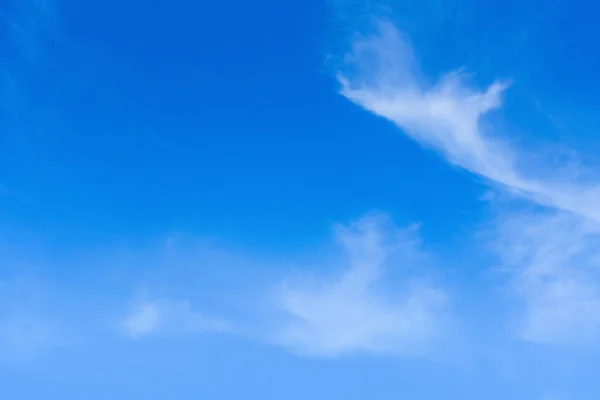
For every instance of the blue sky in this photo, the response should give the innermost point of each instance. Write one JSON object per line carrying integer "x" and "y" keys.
{"x": 320, "y": 199}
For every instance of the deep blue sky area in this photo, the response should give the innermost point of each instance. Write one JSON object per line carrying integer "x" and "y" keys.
{"x": 163, "y": 116}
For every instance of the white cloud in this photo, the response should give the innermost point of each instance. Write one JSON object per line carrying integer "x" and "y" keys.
{"x": 143, "y": 320}
{"x": 448, "y": 116}
{"x": 445, "y": 116}
{"x": 167, "y": 317}
{"x": 553, "y": 254}
{"x": 555, "y": 258}
{"x": 353, "y": 312}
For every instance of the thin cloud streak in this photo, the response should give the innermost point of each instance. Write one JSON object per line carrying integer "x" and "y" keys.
{"x": 449, "y": 116}
{"x": 168, "y": 317}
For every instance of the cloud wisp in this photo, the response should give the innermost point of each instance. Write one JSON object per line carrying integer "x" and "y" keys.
{"x": 167, "y": 317}
{"x": 448, "y": 117}
{"x": 352, "y": 312}
{"x": 551, "y": 252}
{"x": 555, "y": 262}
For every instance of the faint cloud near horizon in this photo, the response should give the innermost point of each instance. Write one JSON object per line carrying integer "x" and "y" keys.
{"x": 351, "y": 307}
{"x": 371, "y": 295}
{"x": 168, "y": 317}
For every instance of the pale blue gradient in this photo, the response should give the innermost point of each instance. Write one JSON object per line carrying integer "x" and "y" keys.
{"x": 316, "y": 199}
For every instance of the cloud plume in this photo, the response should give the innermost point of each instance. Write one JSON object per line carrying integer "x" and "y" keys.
{"x": 351, "y": 312}
{"x": 449, "y": 117}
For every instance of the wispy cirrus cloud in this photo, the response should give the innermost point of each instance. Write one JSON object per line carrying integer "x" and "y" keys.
{"x": 353, "y": 311}
{"x": 555, "y": 262}
{"x": 382, "y": 76}
{"x": 551, "y": 253}
{"x": 161, "y": 317}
